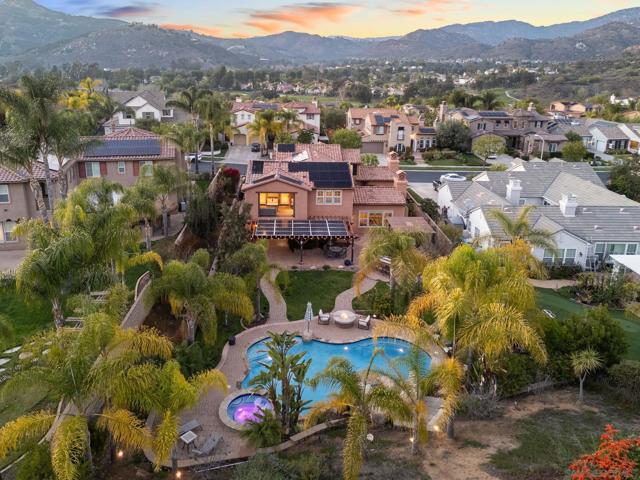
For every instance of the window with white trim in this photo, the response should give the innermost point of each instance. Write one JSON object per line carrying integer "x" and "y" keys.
{"x": 400, "y": 133}
{"x": 148, "y": 115}
{"x": 373, "y": 218}
{"x": 122, "y": 167}
{"x": 380, "y": 130}
{"x": 329, "y": 197}
{"x": 92, "y": 169}
{"x": 563, "y": 256}
{"x": 4, "y": 194}
{"x": 166, "y": 112}
{"x": 6, "y": 228}
{"x": 310, "y": 116}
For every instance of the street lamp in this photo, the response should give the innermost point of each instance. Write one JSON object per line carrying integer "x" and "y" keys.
{"x": 541, "y": 138}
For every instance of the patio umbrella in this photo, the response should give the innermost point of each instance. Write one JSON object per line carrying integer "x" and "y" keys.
{"x": 308, "y": 315}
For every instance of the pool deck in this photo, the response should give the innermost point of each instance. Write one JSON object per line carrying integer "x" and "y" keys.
{"x": 233, "y": 364}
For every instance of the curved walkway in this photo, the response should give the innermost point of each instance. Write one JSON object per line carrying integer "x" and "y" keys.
{"x": 554, "y": 284}
{"x": 277, "y": 305}
{"x": 344, "y": 300}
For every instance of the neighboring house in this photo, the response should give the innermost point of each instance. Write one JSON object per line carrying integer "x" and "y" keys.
{"x": 587, "y": 221}
{"x": 601, "y": 136}
{"x": 608, "y": 136}
{"x": 522, "y": 130}
{"x": 562, "y": 109}
{"x": 633, "y": 132}
{"x": 579, "y": 127}
{"x": 146, "y": 104}
{"x": 122, "y": 157}
{"x": 384, "y": 129}
{"x": 306, "y": 189}
{"x": 244, "y": 113}
{"x": 17, "y": 201}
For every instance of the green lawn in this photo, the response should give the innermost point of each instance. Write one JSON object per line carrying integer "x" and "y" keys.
{"x": 563, "y": 307}
{"x": 26, "y": 317}
{"x": 320, "y": 287}
{"x": 466, "y": 160}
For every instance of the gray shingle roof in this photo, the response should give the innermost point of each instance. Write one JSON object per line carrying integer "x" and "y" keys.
{"x": 587, "y": 193}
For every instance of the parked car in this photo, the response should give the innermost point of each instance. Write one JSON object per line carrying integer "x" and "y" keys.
{"x": 255, "y": 147}
{"x": 452, "y": 177}
{"x": 203, "y": 157}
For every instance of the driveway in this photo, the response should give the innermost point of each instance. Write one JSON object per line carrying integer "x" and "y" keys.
{"x": 9, "y": 261}
{"x": 240, "y": 155}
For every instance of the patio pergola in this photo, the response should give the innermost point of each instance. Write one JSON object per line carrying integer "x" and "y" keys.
{"x": 303, "y": 230}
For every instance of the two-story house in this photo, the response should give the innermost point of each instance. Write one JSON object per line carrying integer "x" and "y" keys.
{"x": 146, "y": 104}
{"x": 562, "y": 109}
{"x": 384, "y": 129}
{"x": 244, "y": 113}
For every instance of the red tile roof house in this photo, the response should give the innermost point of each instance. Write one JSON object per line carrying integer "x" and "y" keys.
{"x": 17, "y": 201}
{"x": 321, "y": 192}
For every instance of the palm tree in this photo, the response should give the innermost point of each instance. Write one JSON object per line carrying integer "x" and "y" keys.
{"x": 166, "y": 181}
{"x": 215, "y": 113}
{"x": 142, "y": 200}
{"x": 407, "y": 261}
{"x": 519, "y": 228}
{"x": 418, "y": 382}
{"x": 34, "y": 106}
{"x": 195, "y": 298}
{"x": 583, "y": 363}
{"x": 357, "y": 395}
{"x": 66, "y": 143}
{"x": 489, "y": 100}
{"x": 187, "y": 100}
{"x": 75, "y": 367}
{"x": 282, "y": 378}
{"x": 266, "y": 126}
{"x": 52, "y": 262}
{"x": 85, "y": 95}
{"x": 289, "y": 118}
{"x": 188, "y": 138}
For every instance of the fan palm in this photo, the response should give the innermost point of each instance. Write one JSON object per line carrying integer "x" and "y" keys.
{"x": 187, "y": 100}
{"x": 188, "y": 138}
{"x": 142, "y": 199}
{"x": 489, "y": 100}
{"x": 195, "y": 298}
{"x": 215, "y": 113}
{"x": 407, "y": 261}
{"x": 266, "y": 127}
{"x": 289, "y": 118}
{"x": 356, "y": 394}
{"x": 167, "y": 181}
{"x": 75, "y": 366}
{"x": 446, "y": 378}
{"x": 584, "y": 363}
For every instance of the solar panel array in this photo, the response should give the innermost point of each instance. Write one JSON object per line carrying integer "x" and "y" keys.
{"x": 287, "y": 148}
{"x": 325, "y": 174}
{"x": 125, "y": 148}
{"x": 275, "y": 228}
{"x": 493, "y": 114}
{"x": 257, "y": 167}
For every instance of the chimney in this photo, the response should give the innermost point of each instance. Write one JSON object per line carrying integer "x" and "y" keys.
{"x": 314, "y": 102}
{"x": 393, "y": 161}
{"x": 513, "y": 191}
{"x": 238, "y": 99}
{"x": 400, "y": 182}
{"x": 568, "y": 205}
{"x": 442, "y": 112}
{"x": 532, "y": 107}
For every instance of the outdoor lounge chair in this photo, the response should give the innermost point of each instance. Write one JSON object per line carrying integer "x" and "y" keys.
{"x": 323, "y": 318}
{"x": 190, "y": 425}
{"x": 208, "y": 447}
{"x": 364, "y": 323}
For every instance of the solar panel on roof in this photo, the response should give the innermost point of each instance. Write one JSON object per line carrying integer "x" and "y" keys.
{"x": 325, "y": 174}
{"x": 379, "y": 119}
{"x": 257, "y": 167}
{"x": 301, "y": 228}
{"x": 125, "y": 148}
{"x": 286, "y": 147}
{"x": 493, "y": 114}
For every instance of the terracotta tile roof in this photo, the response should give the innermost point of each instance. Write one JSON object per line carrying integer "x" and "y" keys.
{"x": 317, "y": 152}
{"x": 351, "y": 155}
{"x": 307, "y": 108}
{"x": 19, "y": 175}
{"x": 363, "y": 112}
{"x": 167, "y": 149}
{"x": 378, "y": 196}
{"x": 130, "y": 133}
{"x": 374, "y": 173}
{"x": 279, "y": 170}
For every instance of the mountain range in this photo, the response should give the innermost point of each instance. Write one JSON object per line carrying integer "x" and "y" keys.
{"x": 36, "y": 36}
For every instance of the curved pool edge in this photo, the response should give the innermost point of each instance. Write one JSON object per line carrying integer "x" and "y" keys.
{"x": 223, "y": 411}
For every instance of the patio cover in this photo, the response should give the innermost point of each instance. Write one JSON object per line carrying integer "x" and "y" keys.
{"x": 301, "y": 229}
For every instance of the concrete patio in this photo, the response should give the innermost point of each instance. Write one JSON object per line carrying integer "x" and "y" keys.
{"x": 313, "y": 258}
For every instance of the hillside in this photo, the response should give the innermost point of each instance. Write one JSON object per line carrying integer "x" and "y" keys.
{"x": 27, "y": 25}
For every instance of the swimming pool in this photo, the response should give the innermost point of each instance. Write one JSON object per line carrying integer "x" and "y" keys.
{"x": 358, "y": 353}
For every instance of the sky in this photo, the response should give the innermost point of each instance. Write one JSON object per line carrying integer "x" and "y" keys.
{"x": 355, "y": 18}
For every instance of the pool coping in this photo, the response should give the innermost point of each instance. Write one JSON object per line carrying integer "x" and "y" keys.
{"x": 224, "y": 405}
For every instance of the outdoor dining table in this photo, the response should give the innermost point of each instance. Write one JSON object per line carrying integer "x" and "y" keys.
{"x": 188, "y": 438}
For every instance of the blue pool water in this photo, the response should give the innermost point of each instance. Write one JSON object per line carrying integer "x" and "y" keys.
{"x": 247, "y": 407}
{"x": 358, "y": 353}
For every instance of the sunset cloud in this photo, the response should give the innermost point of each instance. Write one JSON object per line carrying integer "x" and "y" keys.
{"x": 211, "y": 31}
{"x": 128, "y": 11}
{"x": 306, "y": 15}
{"x": 422, "y": 7}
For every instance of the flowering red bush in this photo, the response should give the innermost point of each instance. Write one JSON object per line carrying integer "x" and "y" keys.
{"x": 231, "y": 172}
{"x": 614, "y": 459}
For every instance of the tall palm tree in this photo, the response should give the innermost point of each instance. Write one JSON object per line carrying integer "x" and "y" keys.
{"x": 74, "y": 366}
{"x": 142, "y": 199}
{"x": 85, "y": 95}
{"x": 519, "y": 228}
{"x": 167, "y": 181}
{"x": 446, "y": 378}
{"x": 266, "y": 127}
{"x": 34, "y": 106}
{"x": 188, "y": 138}
{"x": 357, "y": 395}
{"x": 187, "y": 100}
{"x": 215, "y": 113}
{"x": 584, "y": 363}
{"x": 407, "y": 261}
{"x": 195, "y": 298}
{"x": 489, "y": 100}
{"x": 289, "y": 118}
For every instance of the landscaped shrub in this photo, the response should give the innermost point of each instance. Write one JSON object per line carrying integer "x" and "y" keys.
{"x": 625, "y": 380}
{"x": 515, "y": 373}
{"x": 36, "y": 465}
{"x": 430, "y": 207}
{"x": 561, "y": 272}
{"x": 452, "y": 232}
{"x": 613, "y": 290}
{"x": 478, "y": 407}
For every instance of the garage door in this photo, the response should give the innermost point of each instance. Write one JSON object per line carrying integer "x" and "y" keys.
{"x": 239, "y": 139}
{"x": 373, "y": 147}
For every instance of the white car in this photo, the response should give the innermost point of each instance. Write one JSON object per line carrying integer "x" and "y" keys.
{"x": 204, "y": 157}
{"x": 452, "y": 177}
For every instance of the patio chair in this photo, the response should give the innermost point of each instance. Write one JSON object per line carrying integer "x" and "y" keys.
{"x": 323, "y": 318}
{"x": 364, "y": 323}
{"x": 208, "y": 447}
{"x": 190, "y": 425}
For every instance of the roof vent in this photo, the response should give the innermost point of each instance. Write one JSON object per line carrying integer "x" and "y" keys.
{"x": 636, "y": 228}
{"x": 597, "y": 227}
{"x": 623, "y": 210}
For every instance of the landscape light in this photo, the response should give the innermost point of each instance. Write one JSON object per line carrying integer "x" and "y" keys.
{"x": 120, "y": 454}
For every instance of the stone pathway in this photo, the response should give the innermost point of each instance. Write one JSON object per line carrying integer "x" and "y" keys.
{"x": 277, "y": 305}
{"x": 554, "y": 284}
{"x": 345, "y": 299}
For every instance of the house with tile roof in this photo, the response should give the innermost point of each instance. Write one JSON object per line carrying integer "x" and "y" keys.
{"x": 587, "y": 221}
{"x": 384, "y": 129}
{"x": 321, "y": 192}
{"x": 564, "y": 109}
{"x": 17, "y": 201}
{"x": 150, "y": 104}
{"x": 244, "y": 113}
